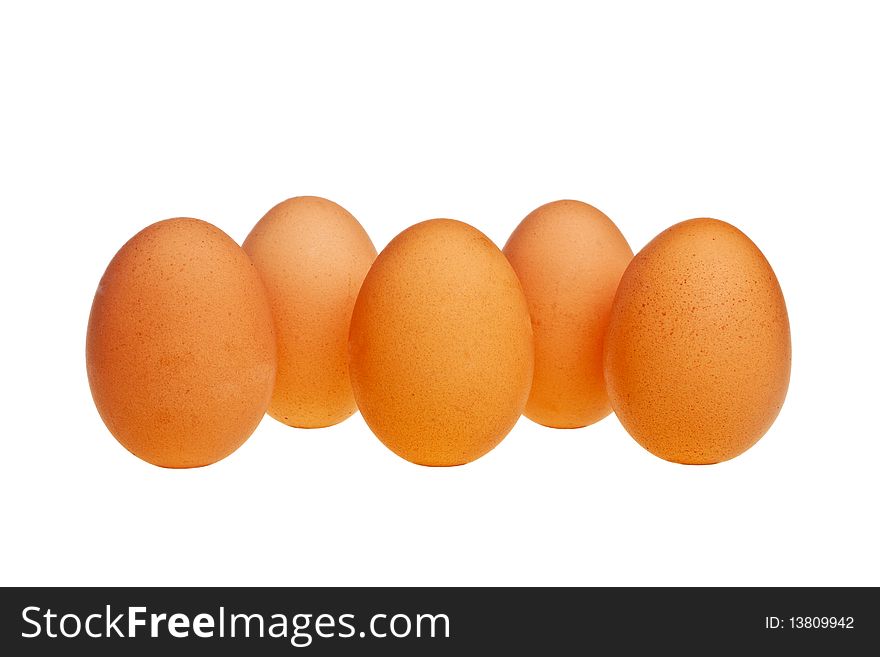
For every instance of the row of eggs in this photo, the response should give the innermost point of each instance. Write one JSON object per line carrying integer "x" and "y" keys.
{"x": 442, "y": 341}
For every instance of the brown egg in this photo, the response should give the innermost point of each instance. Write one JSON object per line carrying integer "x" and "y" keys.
{"x": 569, "y": 258}
{"x": 441, "y": 345}
{"x": 180, "y": 348}
{"x": 698, "y": 350}
{"x": 313, "y": 256}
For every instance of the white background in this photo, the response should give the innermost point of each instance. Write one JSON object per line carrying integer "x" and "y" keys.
{"x": 763, "y": 114}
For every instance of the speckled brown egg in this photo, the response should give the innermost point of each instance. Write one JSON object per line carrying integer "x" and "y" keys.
{"x": 180, "y": 348}
{"x": 313, "y": 256}
{"x": 698, "y": 350}
{"x": 569, "y": 257}
{"x": 441, "y": 345}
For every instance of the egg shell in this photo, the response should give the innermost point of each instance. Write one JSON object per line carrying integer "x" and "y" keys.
{"x": 441, "y": 345}
{"x": 569, "y": 257}
{"x": 180, "y": 347}
{"x": 313, "y": 256}
{"x": 698, "y": 350}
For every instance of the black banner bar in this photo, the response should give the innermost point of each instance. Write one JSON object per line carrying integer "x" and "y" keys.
{"x": 437, "y": 621}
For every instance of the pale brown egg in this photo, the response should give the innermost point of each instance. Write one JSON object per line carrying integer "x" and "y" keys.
{"x": 313, "y": 256}
{"x": 569, "y": 257}
{"x": 698, "y": 350}
{"x": 180, "y": 348}
{"x": 441, "y": 345}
